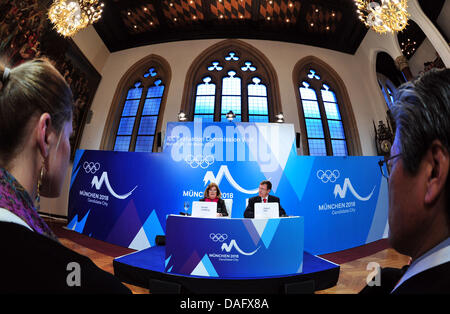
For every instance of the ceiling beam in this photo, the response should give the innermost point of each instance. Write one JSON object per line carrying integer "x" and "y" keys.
{"x": 160, "y": 15}
{"x": 206, "y": 5}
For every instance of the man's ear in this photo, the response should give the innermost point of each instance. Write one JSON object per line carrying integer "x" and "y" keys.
{"x": 43, "y": 134}
{"x": 437, "y": 159}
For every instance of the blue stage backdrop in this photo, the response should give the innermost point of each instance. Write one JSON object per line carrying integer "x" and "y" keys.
{"x": 124, "y": 198}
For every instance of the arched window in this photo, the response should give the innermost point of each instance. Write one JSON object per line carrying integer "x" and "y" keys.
{"x": 326, "y": 119}
{"x": 390, "y": 94}
{"x": 136, "y": 114}
{"x": 231, "y": 76}
{"x": 387, "y": 89}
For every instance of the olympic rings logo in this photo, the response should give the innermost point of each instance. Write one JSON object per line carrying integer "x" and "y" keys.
{"x": 91, "y": 167}
{"x": 328, "y": 175}
{"x": 218, "y": 237}
{"x": 199, "y": 161}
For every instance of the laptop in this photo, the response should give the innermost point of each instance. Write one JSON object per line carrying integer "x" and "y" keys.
{"x": 204, "y": 209}
{"x": 267, "y": 210}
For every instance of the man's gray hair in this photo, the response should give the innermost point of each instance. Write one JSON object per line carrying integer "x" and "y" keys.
{"x": 422, "y": 114}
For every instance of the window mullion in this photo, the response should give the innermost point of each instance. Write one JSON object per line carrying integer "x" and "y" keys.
{"x": 137, "y": 122}
{"x": 244, "y": 99}
{"x": 326, "y": 129}
{"x": 270, "y": 109}
{"x": 154, "y": 147}
{"x": 218, "y": 98}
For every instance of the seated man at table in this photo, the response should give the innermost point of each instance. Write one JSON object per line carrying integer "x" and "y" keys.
{"x": 263, "y": 197}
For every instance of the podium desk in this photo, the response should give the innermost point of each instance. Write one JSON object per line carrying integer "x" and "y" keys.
{"x": 223, "y": 255}
{"x": 234, "y": 248}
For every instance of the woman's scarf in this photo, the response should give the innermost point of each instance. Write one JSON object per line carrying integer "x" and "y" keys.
{"x": 15, "y": 199}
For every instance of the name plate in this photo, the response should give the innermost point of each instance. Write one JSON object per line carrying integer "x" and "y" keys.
{"x": 204, "y": 209}
{"x": 267, "y": 210}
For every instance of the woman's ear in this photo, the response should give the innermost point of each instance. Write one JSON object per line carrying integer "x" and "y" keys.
{"x": 43, "y": 134}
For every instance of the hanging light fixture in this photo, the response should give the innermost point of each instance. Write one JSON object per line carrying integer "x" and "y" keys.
{"x": 70, "y": 16}
{"x": 408, "y": 47}
{"x": 383, "y": 15}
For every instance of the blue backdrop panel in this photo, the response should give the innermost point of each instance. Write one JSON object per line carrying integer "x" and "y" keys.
{"x": 124, "y": 198}
{"x": 234, "y": 248}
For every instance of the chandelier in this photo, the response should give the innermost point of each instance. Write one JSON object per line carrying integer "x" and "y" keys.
{"x": 408, "y": 47}
{"x": 70, "y": 16}
{"x": 383, "y": 15}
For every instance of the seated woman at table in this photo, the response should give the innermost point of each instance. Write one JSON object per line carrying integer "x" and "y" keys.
{"x": 212, "y": 194}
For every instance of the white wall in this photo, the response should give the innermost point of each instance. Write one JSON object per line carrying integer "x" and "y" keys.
{"x": 425, "y": 52}
{"x": 97, "y": 53}
{"x": 92, "y": 47}
{"x": 443, "y": 19}
{"x": 357, "y": 72}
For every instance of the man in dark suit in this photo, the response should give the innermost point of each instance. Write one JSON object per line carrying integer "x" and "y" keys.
{"x": 419, "y": 188}
{"x": 263, "y": 197}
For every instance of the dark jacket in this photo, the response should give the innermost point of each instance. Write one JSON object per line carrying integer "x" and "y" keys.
{"x": 33, "y": 263}
{"x": 250, "y": 210}
{"x": 434, "y": 280}
{"x": 221, "y": 208}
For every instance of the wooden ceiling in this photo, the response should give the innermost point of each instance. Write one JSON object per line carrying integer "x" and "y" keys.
{"x": 323, "y": 23}
{"x": 331, "y": 24}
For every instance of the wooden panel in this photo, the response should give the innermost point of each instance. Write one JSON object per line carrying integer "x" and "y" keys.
{"x": 141, "y": 19}
{"x": 182, "y": 12}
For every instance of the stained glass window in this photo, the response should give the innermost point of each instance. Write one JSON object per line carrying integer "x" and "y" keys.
{"x": 149, "y": 118}
{"x": 323, "y": 122}
{"x": 128, "y": 118}
{"x": 139, "y": 119}
{"x": 204, "y": 100}
{"x": 334, "y": 120}
{"x": 231, "y": 96}
{"x": 314, "y": 128}
{"x": 258, "y": 110}
{"x": 391, "y": 94}
{"x": 232, "y": 83}
{"x": 387, "y": 91}
{"x": 317, "y": 147}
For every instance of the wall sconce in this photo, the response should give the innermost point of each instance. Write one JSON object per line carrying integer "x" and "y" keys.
{"x": 280, "y": 118}
{"x": 182, "y": 116}
{"x": 230, "y": 116}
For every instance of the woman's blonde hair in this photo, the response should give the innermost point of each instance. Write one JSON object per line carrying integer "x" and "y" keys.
{"x": 212, "y": 184}
{"x": 29, "y": 90}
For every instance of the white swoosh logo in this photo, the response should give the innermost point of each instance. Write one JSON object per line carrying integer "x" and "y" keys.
{"x": 233, "y": 243}
{"x": 104, "y": 178}
{"x": 348, "y": 185}
{"x": 209, "y": 176}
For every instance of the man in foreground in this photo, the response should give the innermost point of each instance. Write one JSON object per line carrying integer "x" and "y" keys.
{"x": 419, "y": 195}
